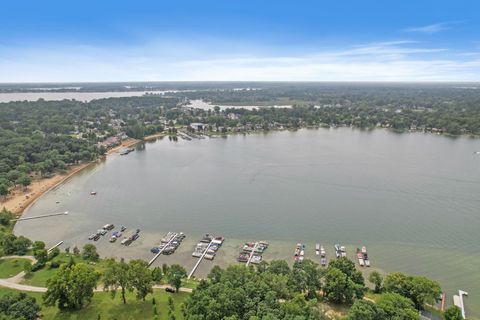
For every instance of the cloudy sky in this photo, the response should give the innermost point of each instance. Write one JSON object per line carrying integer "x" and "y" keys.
{"x": 349, "y": 40}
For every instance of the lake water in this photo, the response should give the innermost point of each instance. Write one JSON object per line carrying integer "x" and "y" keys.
{"x": 412, "y": 199}
{"x": 52, "y": 96}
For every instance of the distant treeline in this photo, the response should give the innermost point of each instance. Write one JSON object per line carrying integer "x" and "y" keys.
{"x": 37, "y": 138}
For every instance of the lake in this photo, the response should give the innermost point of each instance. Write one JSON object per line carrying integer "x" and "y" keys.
{"x": 413, "y": 199}
{"x": 52, "y": 96}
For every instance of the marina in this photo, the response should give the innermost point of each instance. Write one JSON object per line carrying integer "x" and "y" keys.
{"x": 130, "y": 193}
{"x": 169, "y": 243}
{"x": 207, "y": 248}
{"x": 252, "y": 252}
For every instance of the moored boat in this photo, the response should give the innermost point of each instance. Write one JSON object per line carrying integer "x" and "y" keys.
{"x": 343, "y": 251}
{"x": 366, "y": 260}
{"x": 360, "y": 258}
{"x": 338, "y": 253}
{"x": 317, "y": 249}
{"x": 323, "y": 261}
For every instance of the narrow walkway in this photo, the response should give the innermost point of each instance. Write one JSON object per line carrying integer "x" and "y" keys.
{"x": 160, "y": 252}
{"x": 251, "y": 254}
{"x": 199, "y": 260}
{"x": 42, "y": 216}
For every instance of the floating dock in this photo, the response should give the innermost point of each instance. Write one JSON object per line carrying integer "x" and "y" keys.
{"x": 199, "y": 260}
{"x": 252, "y": 253}
{"x": 161, "y": 250}
{"x": 458, "y": 301}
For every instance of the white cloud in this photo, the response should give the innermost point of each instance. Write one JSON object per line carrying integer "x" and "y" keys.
{"x": 431, "y": 28}
{"x": 383, "y": 61}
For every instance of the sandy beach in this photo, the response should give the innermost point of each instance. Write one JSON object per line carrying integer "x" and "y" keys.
{"x": 19, "y": 199}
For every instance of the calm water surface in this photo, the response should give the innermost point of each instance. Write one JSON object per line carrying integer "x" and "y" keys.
{"x": 412, "y": 199}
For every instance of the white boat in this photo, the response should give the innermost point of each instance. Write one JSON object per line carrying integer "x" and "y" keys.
{"x": 343, "y": 251}
{"x": 338, "y": 253}
{"x": 317, "y": 249}
{"x": 322, "y": 251}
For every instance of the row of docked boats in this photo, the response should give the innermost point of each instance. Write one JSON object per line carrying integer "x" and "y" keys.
{"x": 101, "y": 232}
{"x": 299, "y": 254}
{"x": 133, "y": 237}
{"x": 252, "y": 252}
{"x": 320, "y": 251}
{"x": 208, "y": 247}
{"x": 169, "y": 243}
{"x": 362, "y": 257}
{"x": 340, "y": 251}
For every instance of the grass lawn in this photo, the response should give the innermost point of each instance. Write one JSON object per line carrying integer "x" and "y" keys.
{"x": 102, "y": 304}
{"x": 11, "y": 267}
{"x": 39, "y": 278}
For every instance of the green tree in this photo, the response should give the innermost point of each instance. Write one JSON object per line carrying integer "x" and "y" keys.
{"x": 5, "y": 217}
{"x": 397, "y": 307}
{"x": 4, "y": 190}
{"x": 140, "y": 278}
{"x": 24, "y": 180}
{"x": 19, "y": 306}
{"x": 365, "y": 310}
{"x": 418, "y": 289}
{"x": 71, "y": 287}
{"x": 306, "y": 277}
{"x": 27, "y": 267}
{"x": 376, "y": 279}
{"x": 453, "y": 313}
{"x": 116, "y": 276}
{"x": 342, "y": 282}
{"x": 175, "y": 274}
{"x": 90, "y": 252}
{"x": 38, "y": 245}
{"x": 15, "y": 245}
{"x": 41, "y": 255}
{"x": 157, "y": 274}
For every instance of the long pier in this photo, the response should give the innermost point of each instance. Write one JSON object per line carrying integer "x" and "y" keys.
{"x": 251, "y": 254}
{"x": 199, "y": 260}
{"x": 161, "y": 250}
{"x": 42, "y": 216}
{"x": 57, "y": 245}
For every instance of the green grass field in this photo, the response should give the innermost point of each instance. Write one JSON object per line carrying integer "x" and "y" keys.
{"x": 11, "y": 267}
{"x": 108, "y": 308}
{"x": 39, "y": 278}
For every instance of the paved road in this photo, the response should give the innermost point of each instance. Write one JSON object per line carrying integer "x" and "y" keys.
{"x": 14, "y": 282}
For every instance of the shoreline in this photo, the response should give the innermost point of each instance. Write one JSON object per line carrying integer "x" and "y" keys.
{"x": 21, "y": 200}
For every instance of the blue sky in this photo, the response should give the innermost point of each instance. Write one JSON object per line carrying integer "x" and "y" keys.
{"x": 349, "y": 40}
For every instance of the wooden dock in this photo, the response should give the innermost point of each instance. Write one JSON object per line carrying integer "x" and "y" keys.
{"x": 161, "y": 250}
{"x": 41, "y": 216}
{"x": 57, "y": 245}
{"x": 251, "y": 254}
{"x": 199, "y": 260}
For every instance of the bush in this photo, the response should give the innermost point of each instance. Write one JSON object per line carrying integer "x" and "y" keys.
{"x": 37, "y": 266}
{"x": 53, "y": 253}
